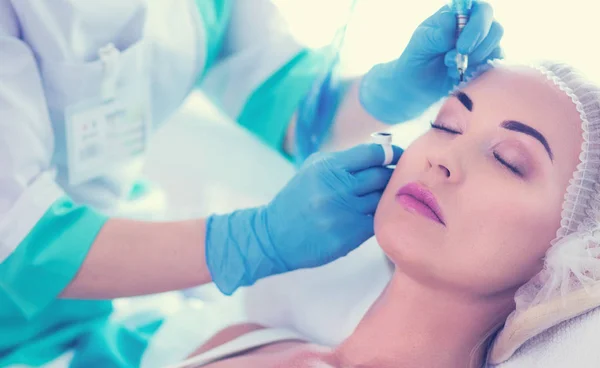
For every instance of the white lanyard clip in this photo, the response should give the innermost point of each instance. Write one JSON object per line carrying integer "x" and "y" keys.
{"x": 109, "y": 55}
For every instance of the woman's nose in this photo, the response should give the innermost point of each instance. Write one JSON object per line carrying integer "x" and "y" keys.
{"x": 444, "y": 170}
{"x": 444, "y": 166}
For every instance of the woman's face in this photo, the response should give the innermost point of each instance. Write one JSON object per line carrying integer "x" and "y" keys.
{"x": 497, "y": 162}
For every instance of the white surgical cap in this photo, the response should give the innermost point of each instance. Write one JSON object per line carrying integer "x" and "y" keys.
{"x": 569, "y": 283}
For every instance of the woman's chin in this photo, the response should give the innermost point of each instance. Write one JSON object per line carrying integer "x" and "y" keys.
{"x": 405, "y": 248}
{"x": 406, "y": 234}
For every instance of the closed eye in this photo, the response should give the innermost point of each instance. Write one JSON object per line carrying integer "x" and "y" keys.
{"x": 509, "y": 166}
{"x": 444, "y": 128}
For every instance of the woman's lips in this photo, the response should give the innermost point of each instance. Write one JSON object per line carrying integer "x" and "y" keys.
{"x": 415, "y": 197}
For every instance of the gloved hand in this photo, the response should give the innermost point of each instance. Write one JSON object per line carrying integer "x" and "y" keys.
{"x": 322, "y": 214}
{"x": 403, "y": 89}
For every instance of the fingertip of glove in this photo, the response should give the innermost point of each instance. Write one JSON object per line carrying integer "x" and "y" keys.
{"x": 450, "y": 58}
{"x": 466, "y": 45}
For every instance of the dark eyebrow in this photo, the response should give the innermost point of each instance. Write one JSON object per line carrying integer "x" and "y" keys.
{"x": 526, "y": 129}
{"x": 464, "y": 99}
{"x": 509, "y": 124}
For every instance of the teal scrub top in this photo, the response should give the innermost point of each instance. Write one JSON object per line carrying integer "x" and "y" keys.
{"x": 36, "y": 326}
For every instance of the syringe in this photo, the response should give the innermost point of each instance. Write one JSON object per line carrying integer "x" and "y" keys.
{"x": 462, "y": 9}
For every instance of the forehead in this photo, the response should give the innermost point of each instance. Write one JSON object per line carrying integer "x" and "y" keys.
{"x": 524, "y": 94}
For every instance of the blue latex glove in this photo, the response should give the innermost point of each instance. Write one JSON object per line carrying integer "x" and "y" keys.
{"x": 322, "y": 214}
{"x": 403, "y": 89}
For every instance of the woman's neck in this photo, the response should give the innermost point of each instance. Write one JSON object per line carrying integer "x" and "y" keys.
{"x": 412, "y": 325}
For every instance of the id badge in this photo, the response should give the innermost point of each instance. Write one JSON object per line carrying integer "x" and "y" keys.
{"x": 102, "y": 134}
